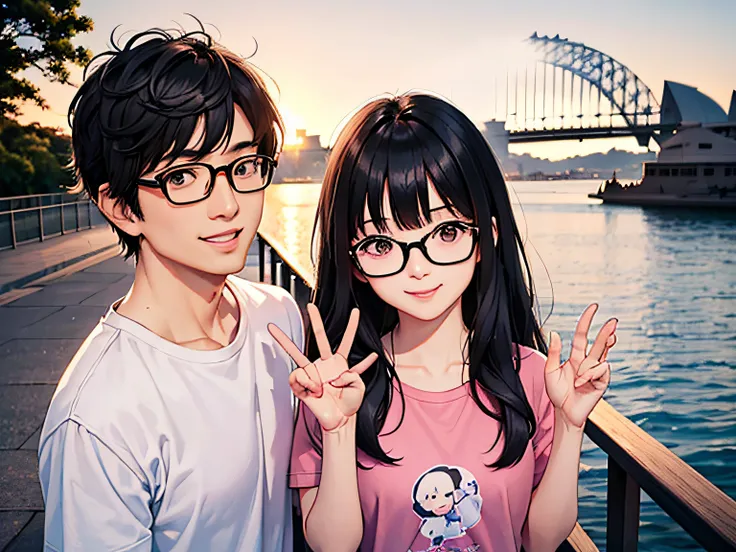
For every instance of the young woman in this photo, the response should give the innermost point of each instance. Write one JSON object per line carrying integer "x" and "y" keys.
{"x": 451, "y": 431}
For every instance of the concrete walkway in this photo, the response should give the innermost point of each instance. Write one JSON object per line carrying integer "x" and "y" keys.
{"x": 34, "y": 260}
{"x": 41, "y": 326}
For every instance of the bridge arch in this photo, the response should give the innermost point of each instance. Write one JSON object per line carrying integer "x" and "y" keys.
{"x": 627, "y": 93}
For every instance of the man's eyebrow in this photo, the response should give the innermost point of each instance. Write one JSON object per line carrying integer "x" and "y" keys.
{"x": 245, "y": 144}
{"x": 194, "y": 154}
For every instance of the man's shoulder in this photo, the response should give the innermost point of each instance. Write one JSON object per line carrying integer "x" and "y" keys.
{"x": 98, "y": 383}
{"x": 267, "y": 303}
{"x": 261, "y": 293}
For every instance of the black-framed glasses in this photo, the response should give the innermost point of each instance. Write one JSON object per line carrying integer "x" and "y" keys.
{"x": 447, "y": 244}
{"x": 193, "y": 182}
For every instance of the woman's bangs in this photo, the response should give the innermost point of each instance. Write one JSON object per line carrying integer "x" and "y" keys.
{"x": 403, "y": 163}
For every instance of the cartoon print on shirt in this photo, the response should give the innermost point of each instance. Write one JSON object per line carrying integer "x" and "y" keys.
{"x": 448, "y": 501}
{"x": 470, "y": 502}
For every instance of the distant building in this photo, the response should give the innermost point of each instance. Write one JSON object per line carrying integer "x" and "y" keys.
{"x": 686, "y": 104}
{"x": 498, "y": 137}
{"x": 304, "y": 160}
{"x": 304, "y": 142}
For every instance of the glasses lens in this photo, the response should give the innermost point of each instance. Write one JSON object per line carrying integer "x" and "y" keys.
{"x": 187, "y": 184}
{"x": 450, "y": 243}
{"x": 251, "y": 173}
{"x": 379, "y": 256}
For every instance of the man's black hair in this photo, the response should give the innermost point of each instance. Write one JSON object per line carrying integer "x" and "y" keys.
{"x": 142, "y": 104}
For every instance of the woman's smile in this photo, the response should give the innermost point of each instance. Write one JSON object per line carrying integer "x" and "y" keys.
{"x": 425, "y": 293}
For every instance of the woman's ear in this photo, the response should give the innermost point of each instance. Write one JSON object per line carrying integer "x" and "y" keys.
{"x": 359, "y": 275}
{"x": 117, "y": 212}
{"x": 494, "y": 227}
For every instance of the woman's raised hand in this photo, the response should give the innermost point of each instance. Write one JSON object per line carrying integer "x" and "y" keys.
{"x": 331, "y": 389}
{"x": 576, "y": 386}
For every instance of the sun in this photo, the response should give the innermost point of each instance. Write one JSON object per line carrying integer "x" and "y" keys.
{"x": 292, "y": 122}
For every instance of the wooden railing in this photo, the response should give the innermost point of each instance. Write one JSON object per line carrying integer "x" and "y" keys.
{"x": 636, "y": 460}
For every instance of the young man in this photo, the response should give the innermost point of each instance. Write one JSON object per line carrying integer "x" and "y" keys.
{"x": 171, "y": 428}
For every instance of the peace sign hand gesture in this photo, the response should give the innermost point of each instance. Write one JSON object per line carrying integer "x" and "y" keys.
{"x": 575, "y": 387}
{"x": 328, "y": 386}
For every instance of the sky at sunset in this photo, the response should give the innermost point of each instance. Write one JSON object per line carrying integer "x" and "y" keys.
{"x": 330, "y": 56}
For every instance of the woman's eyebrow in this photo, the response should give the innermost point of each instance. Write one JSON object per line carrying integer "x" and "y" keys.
{"x": 372, "y": 221}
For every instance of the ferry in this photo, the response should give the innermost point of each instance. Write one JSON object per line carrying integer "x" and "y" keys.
{"x": 694, "y": 168}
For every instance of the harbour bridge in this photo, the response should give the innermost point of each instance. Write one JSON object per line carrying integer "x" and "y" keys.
{"x": 577, "y": 92}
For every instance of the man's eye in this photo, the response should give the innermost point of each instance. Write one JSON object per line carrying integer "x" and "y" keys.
{"x": 247, "y": 168}
{"x": 179, "y": 179}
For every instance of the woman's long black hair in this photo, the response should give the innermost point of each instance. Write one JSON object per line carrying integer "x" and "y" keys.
{"x": 399, "y": 144}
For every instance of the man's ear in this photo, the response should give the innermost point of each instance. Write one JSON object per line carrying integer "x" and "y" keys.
{"x": 117, "y": 212}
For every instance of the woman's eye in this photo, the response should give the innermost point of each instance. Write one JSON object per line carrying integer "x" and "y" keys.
{"x": 448, "y": 233}
{"x": 452, "y": 232}
{"x": 378, "y": 247}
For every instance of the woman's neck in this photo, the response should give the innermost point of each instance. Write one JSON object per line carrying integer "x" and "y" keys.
{"x": 428, "y": 355}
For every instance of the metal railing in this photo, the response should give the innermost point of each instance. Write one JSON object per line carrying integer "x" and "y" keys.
{"x": 636, "y": 462}
{"x": 37, "y": 217}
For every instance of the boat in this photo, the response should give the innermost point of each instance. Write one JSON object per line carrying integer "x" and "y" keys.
{"x": 694, "y": 168}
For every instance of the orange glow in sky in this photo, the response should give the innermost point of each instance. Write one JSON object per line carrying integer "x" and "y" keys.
{"x": 292, "y": 122}
{"x": 329, "y": 57}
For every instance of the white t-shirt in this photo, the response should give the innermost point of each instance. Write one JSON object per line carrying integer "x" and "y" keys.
{"x": 148, "y": 445}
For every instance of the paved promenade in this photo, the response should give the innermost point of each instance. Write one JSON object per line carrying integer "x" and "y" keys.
{"x": 34, "y": 260}
{"x": 54, "y": 293}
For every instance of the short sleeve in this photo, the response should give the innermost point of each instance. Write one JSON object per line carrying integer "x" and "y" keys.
{"x": 544, "y": 412}
{"x": 306, "y": 459}
{"x": 545, "y": 417}
{"x": 94, "y": 501}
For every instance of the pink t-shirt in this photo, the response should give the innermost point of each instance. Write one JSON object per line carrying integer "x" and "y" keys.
{"x": 441, "y": 496}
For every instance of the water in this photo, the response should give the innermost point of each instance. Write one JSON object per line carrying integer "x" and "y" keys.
{"x": 669, "y": 276}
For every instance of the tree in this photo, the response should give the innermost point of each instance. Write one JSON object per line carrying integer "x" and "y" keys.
{"x": 37, "y": 33}
{"x": 33, "y": 159}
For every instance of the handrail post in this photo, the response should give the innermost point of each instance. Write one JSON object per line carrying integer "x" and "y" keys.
{"x": 40, "y": 222}
{"x": 76, "y": 215}
{"x": 261, "y": 258}
{"x": 13, "y": 237}
{"x": 61, "y": 214}
{"x": 285, "y": 276}
{"x": 278, "y": 281}
{"x": 272, "y": 255}
{"x": 622, "y": 527}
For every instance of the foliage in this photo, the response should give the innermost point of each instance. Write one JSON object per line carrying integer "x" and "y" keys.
{"x": 37, "y": 34}
{"x": 33, "y": 159}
